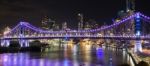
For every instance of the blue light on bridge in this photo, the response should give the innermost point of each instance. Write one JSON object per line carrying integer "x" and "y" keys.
{"x": 138, "y": 33}
{"x": 138, "y": 15}
{"x": 138, "y": 46}
{"x": 137, "y": 25}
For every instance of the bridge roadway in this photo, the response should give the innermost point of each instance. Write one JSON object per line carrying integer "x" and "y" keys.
{"x": 92, "y": 37}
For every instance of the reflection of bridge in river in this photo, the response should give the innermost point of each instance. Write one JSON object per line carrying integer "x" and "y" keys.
{"x": 122, "y": 30}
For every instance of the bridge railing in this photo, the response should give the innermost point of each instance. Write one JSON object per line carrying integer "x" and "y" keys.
{"x": 77, "y": 35}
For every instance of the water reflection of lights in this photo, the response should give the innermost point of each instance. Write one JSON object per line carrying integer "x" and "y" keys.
{"x": 24, "y": 60}
{"x": 75, "y": 62}
{"x": 65, "y": 47}
{"x": 15, "y": 60}
{"x": 57, "y": 63}
{"x": 73, "y": 56}
{"x": 75, "y": 50}
{"x": 5, "y": 58}
{"x": 42, "y": 62}
{"x": 124, "y": 55}
{"x": 34, "y": 62}
{"x": 87, "y": 55}
{"x": 66, "y": 62}
{"x": 65, "y": 53}
{"x": 99, "y": 53}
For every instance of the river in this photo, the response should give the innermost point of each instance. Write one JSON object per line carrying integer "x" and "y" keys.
{"x": 95, "y": 56}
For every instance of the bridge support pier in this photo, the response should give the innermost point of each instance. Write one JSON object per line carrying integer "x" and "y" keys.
{"x": 24, "y": 43}
{"x": 5, "y": 43}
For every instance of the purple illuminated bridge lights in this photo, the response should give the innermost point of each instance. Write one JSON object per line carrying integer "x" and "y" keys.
{"x": 29, "y": 31}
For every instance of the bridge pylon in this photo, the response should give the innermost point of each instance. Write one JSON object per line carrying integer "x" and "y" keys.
{"x": 138, "y": 45}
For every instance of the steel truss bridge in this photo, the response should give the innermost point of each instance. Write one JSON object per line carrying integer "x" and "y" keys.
{"x": 132, "y": 27}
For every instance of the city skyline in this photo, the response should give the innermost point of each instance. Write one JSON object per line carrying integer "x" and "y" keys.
{"x": 33, "y": 11}
{"x": 74, "y": 33}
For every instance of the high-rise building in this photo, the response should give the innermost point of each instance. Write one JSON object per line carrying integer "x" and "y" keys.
{"x": 87, "y": 26}
{"x": 130, "y": 5}
{"x": 56, "y": 27}
{"x": 6, "y": 30}
{"x": 64, "y": 26}
{"x": 80, "y": 23}
{"x": 79, "y": 27}
{"x": 93, "y": 24}
{"x": 48, "y": 23}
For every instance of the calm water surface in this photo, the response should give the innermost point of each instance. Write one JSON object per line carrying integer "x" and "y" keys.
{"x": 74, "y": 56}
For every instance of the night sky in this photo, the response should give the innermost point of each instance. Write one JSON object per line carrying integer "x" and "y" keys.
{"x": 13, "y": 11}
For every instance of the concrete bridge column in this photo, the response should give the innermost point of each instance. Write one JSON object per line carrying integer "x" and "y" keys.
{"x": 24, "y": 43}
{"x": 5, "y": 43}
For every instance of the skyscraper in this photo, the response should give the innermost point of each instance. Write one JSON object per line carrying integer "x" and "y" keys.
{"x": 80, "y": 23}
{"x": 64, "y": 26}
{"x": 87, "y": 26}
{"x": 130, "y": 5}
{"x": 48, "y": 23}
